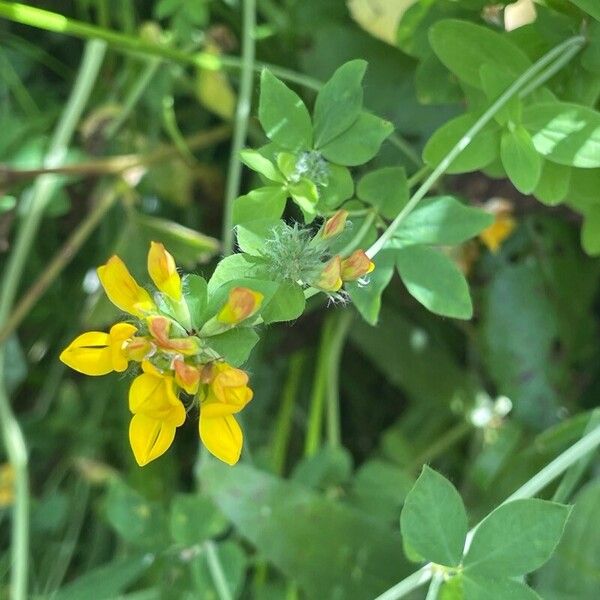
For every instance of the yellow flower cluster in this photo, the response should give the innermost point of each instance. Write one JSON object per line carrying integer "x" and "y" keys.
{"x": 173, "y": 359}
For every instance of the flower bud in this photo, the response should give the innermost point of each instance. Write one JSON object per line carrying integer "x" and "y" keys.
{"x": 330, "y": 277}
{"x": 138, "y": 348}
{"x": 163, "y": 271}
{"x": 334, "y": 225}
{"x": 186, "y": 376}
{"x": 241, "y": 304}
{"x": 160, "y": 327}
{"x": 357, "y": 265}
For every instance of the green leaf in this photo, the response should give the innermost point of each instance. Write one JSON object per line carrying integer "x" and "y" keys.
{"x": 339, "y": 102}
{"x": 329, "y": 466}
{"x": 591, "y": 7}
{"x": 106, "y": 582}
{"x": 521, "y": 160}
{"x": 339, "y": 188}
{"x": 329, "y": 549}
{"x": 590, "y": 231}
{"x": 283, "y": 115}
{"x": 434, "y": 520}
{"x": 286, "y": 305}
{"x": 574, "y": 569}
{"x": 465, "y": 47}
{"x": 481, "y": 151}
{"x": 386, "y": 189}
{"x": 260, "y": 204}
{"x": 367, "y": 298}
{"x": 516, "y": 538}
{"x": 568, "y": 134}
{"x": 435, "y": 281}
{"x": 360, "y": 143}
{"x": 135, "y": 519}
{"x": 235, "y": 345}
{"x": 305, "y": 194}
{"x": 553, "y": 186}
{"x": 379, "y": 488}
{"x": 495, "y": 81}
{"x": 252, "y": 235}
{"x": 442, "y": 220}
{"x": 584, "y": 186}
{"x": 7, "y": 203}
{"x": 257, "y": 162}
{"x": 488, "y": 588}
{"x": 236, "y": 266}
{"x": 233, "y": 561}
{"x": 194, "y": 519}
{"x": 195, "y": 291}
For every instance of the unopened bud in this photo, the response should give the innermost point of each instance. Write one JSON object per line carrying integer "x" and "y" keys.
{"x": 334, "y": 225}
{"x": 186, "y": 376}
{"x": 241, "y": 304}
{"x": 138, "y": 348}
{"x": 357, "y": 265}
{"x": 330, "y": 277}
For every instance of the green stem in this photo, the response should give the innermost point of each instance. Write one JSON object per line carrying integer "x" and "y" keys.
{"x": 336, "y": 346}
{"x": 216, "y": 571}
{"x": 559, "y": 55}
{"x": 317, "y": 401}
{"x": 357, "y": 239}
{"x": 12, "y": 434}
{"x": 434, "y": 586}
{"x": 405, "y": 148}
{"x": 538, "y": 482}
{"x": 442, "y": 444}
{"x": 283, "y": 425}
{"x": 240, "y": 130}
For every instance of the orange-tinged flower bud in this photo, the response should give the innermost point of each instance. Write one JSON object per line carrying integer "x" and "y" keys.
{"x": 241, "y": 304}
{"x": 357, "y": 265}
{"x": 330, "y": 279}
{"x": 139, "y": 348}
{"x": 163, "y": 271}
{"x": 334, "y": 225}
{"x": 186, "y": 376}
{"x": 123, "y": 290}
{"x": 159, "y": 328}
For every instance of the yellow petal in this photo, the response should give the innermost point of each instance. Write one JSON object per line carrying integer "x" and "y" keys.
{"x": 222, "y": 437}
{"x": 163, "y": 271}
{"x": 89, "y": 354}
{"x": 123, "y": 290}
{"x": 149, "y": 438}
{"x": 119, "y": 334}
{"x": 155, "y": 397}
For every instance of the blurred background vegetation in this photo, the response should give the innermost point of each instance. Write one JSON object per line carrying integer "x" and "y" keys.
{"x": 148, "y": 160}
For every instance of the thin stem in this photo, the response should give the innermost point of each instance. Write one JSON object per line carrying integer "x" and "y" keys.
{"x": 12, "y": 434}
{"x": 336, "y": 347}
{"x": 405, "y": 148}
{"x": 561, "y": 54}
{"x": 216, "y": 571}
{"x": 355, "y": 242}
{"x": 240, "y": 130}
{"x": 317, "y": 400}
{"x": 434, "y": 587}
{"x": 61, "y": 259}
{"x": 448, "y": 439}
{"x": 538, "y": 482}
{"x": 283, "y": 424}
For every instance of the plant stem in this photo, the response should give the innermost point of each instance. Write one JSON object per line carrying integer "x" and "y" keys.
{"x": 283, "y": 425}
{"x": 405, "y": 148}
{"x": 434, "y": 586}
{"x": 61, "y": 259}
{"x": 317, "y": 401}
{"x": 357, "y": 239}
{"x": 336, "y": 346}
{"x": 216, "y": 571}
{"x": 240, "y": 130}
{"x": 538, "y": 482}
{"x": 442, "y": 444}
{"x": 559, "y": 55}
{"x": 12, "y": 434}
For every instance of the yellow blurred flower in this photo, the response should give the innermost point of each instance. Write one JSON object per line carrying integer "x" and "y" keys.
{"x": 330, "y": 278}
{"x": 241, "y": 304}
{"x": 502, "y": 227}
{"x": 163, "y": 271}
{"x": 357, "y": 265}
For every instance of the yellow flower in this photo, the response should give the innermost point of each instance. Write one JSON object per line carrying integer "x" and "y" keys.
{"x": 357, "y": 265}
{"x": 163, "y": 271}
{"x": 241, "y": 304}
{"x": 330, "y": 278}
{"x": 226, "y": 393}
{"x": 186, "y": 376}
{"x": 494, "y": 235}
{"x": 123, "y": 290}
{"x": 99, "y": 353}
{"x": 157, "y": 412}
{"x": 334, "y": 225}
